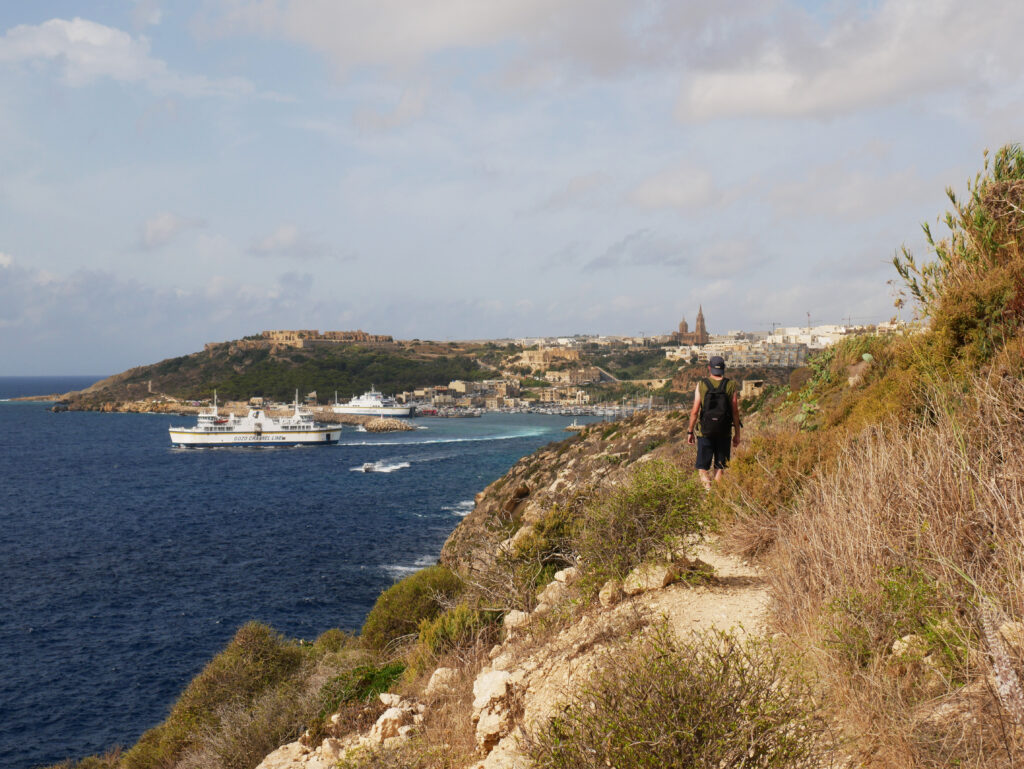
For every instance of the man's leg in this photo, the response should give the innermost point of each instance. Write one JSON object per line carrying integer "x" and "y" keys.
{"x": 705, "y": 455}
{"x": 705, "y": 478}
{"x": 722, "y": 452}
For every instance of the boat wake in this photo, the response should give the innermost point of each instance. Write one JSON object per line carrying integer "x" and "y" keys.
{"x": 461, "y": 509}
{"x": 479, "y": 439}
{"x": 399, "y": 570}
{"x": 380, "y": 466}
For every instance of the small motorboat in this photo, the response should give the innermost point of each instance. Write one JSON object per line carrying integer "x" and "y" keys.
{"x": 369, "y": 467}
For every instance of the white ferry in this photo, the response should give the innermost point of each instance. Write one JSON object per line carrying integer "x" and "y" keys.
{"x": 255, "y": 429}
{"x": 372, "y": 404}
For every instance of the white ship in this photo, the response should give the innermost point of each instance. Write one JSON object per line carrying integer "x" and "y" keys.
{"x": 372, "y": 404}
{"x": 255, "y": 429}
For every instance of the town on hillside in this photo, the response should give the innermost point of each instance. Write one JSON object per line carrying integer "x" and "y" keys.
{"x": 597, "y": 374}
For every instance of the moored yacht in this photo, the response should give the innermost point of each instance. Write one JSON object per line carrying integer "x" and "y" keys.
{"x": 256, "y": 428}
{"x": 373, "y": 404}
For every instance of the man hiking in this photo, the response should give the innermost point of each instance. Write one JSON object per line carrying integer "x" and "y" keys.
{"x": 716, "y": 417}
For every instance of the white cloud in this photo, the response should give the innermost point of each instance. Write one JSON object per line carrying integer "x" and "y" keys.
{"x": 6, "y": 260}
{"x": 681, "y": 187}
{"x": 59, "y": 318}
{"x": 165, "y": 227}
{"x": 890, "y": 52}
{"x": 583, "y": 190}
{"x": 642, "y": 248}
{"x": 146, "y": 13}
{"x": 845, "y": 191}
{"x": 87, "y": 51}
{"x": 411, "y": 104}
{"x": 542, "y": 40}
{"x": 288, "y": 242}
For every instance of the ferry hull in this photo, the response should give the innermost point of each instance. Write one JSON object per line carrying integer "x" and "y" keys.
{"x": 375, "y": 411}
{"x": 292, "y": 438}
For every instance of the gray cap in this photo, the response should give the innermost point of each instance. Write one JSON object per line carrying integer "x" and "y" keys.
{"x": 717, "y": 365}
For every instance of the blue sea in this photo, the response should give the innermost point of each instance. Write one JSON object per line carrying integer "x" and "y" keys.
{"x": 126, "y": 565}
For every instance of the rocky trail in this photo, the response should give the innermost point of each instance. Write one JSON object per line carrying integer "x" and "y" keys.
{"x": 548, "y": 653}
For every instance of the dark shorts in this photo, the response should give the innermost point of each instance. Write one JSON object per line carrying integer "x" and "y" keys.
{"x": 716, "y": 449}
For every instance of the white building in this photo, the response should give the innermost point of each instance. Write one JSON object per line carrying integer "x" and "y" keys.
{"x": 815, "y": 337}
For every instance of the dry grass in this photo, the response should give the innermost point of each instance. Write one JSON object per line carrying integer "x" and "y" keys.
{"x": 911, "y": 533}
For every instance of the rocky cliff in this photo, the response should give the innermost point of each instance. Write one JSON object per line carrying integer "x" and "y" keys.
{"x": 540, "y": 656}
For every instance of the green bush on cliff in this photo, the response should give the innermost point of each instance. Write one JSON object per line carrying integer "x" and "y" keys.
{"x": 624, "y": 526}
{"x": 357, "y": 685}
{"x": 973, "y": 291}
{"x": 256, "y": 660}
{"x": 401, "y": 608}
{"x": 459, "y": 629}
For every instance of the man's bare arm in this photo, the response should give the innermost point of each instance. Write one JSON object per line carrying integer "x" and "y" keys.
{"x": 694, "y": 413}
{"x": 736, "y": 419}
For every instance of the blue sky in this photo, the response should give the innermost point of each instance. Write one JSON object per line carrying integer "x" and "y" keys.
{"x": 177, "y": 173}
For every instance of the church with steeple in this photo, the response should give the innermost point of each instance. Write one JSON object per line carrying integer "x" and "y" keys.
{"x": 698, "y": 336}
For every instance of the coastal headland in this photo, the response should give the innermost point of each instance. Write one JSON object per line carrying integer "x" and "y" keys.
{"x": 849, "y": 594}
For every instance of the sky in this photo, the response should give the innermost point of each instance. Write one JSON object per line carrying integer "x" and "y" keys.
{"x": 178, "y": 173}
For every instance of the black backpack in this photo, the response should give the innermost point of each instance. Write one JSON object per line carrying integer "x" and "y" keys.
{"x": 716, "y": 411}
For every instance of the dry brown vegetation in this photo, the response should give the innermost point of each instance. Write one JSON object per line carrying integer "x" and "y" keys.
{"x": 891, "y": 513}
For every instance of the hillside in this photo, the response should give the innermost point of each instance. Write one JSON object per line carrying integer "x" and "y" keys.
{"x": 238, "y": 371}
{"x": 850, "y": 595}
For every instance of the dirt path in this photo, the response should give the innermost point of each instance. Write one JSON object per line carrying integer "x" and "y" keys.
{"x": 737, "y": 599}
{"x": 547, "y": 672}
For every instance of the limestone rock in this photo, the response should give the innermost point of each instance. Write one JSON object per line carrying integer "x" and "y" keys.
{"x": 649, "y": 576}
{"x": 493, "y": 724}
{"x": 388, "y": 724}
{"x": 964, "y": 706}
{"x": 391, "y": 700}
{"x": 1012, "y": 634}
{"x": 567, "y": 576}
{"x": 489, "y": 687}
{"x": 285, "y": 756}
{"x": 911, "y": 647}
{"x": 442, "y": 682}
{"x": 521, "y": 491}
{"x": 387, "y": 425}
{"x": 331, "y": 749}
{"x": 514, "y": 619}
{"x": 554, "y": 593}
{"x": 521, "y": 535}
{"x": 491, "y": 707}
{"x": 505, "y": 757}
{"x": 611, "y": 593}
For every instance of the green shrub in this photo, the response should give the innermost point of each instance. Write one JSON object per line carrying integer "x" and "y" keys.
{"x": 256, "y": 660}
{"x": 401, "y": 608}
{"x": 622, "y": 527}
{"x": 247, "y": 730}
{"x": 712, "y": 702}
{"x": 973, "y": 291}
{"x": 548, "y": 547}
{"x": 864, "y": 623}
{"x": 457, "y": 629}
{"x": 357, "y": 685}
{"x": 332, "y": 640}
